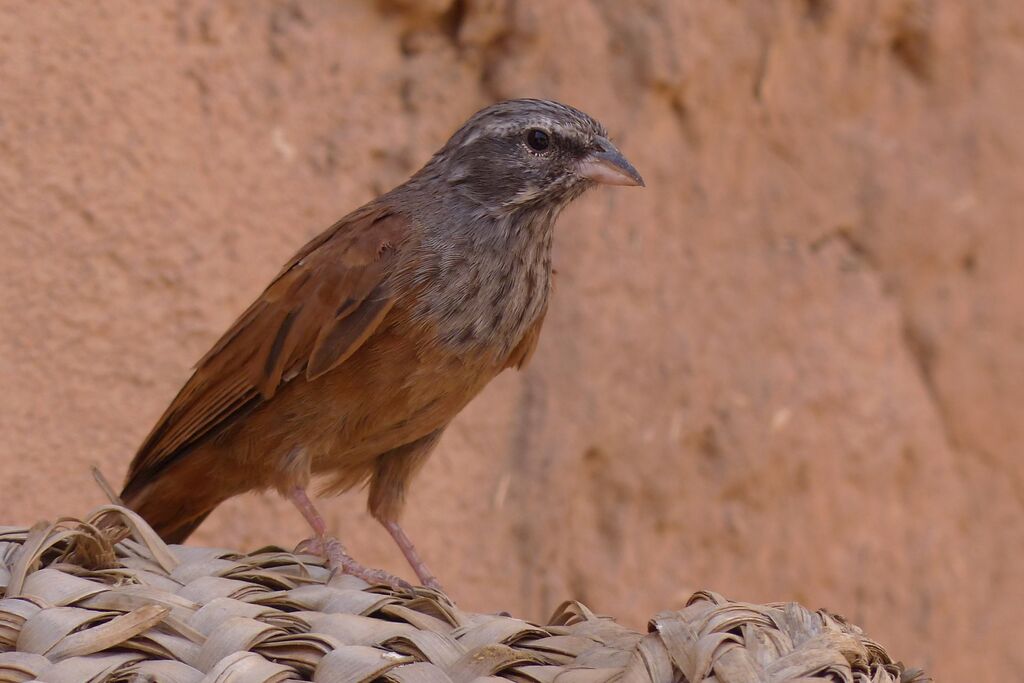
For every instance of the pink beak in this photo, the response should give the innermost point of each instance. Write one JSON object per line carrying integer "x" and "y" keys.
{"x": 607, "y": 166}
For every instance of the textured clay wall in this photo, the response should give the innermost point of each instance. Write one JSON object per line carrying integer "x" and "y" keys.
{"x": 792, "y": 368}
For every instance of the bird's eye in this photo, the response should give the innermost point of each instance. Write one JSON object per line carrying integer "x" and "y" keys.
{"x": 537, "y": 139}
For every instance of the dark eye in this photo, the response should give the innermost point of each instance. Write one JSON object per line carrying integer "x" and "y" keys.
{"x": 537, "y": 139}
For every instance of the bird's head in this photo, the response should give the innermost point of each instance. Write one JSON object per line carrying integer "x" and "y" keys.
{"x": 524, "y": 154}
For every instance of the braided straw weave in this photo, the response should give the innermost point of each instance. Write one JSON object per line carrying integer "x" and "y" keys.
{"x": 77, "y": 607}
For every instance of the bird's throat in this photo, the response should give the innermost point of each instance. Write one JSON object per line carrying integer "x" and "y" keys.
{"x": 492, "y": 283}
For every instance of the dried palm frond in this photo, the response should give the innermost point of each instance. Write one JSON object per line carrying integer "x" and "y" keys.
{"x": 88, "y": 601}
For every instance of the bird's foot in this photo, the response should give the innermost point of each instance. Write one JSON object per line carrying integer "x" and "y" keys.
{"x": 310, "y": 546}
{"x": 339, "y": 560}
{"x": 333, "y": 551}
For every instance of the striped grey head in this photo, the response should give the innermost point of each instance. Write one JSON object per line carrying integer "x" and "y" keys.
{"x": 527, "y": 154}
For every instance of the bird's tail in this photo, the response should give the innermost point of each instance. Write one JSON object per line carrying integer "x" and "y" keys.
{"x": 175, "y": 500}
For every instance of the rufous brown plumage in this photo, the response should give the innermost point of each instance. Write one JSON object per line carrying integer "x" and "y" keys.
{"x": 355, "y": 358}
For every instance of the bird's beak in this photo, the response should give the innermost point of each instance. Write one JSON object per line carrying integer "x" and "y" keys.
{"x": 607, "y": 166}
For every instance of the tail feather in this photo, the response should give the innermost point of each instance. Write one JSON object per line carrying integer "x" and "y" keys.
{"x": 176, "y": 500}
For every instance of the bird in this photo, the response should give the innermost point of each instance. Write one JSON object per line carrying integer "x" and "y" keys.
{"x": 370, "y": 340}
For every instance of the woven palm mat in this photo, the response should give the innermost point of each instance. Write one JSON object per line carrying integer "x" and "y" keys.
{"x": 76, "y": 607}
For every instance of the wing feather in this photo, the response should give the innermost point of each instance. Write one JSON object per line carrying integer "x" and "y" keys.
{"x": 316, "y": 313}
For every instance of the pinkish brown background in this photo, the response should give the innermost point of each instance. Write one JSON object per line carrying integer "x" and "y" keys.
{"x": 792, "y": 368}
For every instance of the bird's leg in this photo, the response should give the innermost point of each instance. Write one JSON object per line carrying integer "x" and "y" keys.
{"x": 332, "y": 549}
{"x": 425, "y": 576}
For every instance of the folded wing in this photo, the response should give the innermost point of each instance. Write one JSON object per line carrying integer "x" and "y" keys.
{"x": 315, "y": 314}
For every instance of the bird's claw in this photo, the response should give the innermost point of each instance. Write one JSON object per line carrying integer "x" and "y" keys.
{"x": 310, "y": 546}
{"x": 339, "y": 560}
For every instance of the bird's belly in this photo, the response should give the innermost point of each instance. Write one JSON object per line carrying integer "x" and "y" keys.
{"x": 401, "y": 385}
{"x": 387, "y": 399}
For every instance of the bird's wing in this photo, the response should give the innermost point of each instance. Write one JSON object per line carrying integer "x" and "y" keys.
{"x": 318, "y": 310}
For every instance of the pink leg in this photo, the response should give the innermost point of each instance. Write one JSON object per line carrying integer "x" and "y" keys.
{"x": 331, "y": 548}
{"x": 425, "y": 576}
{"x": 299, "y": 498}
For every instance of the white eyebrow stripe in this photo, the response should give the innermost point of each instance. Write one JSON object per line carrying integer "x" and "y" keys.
{"x": 552, "y": 125}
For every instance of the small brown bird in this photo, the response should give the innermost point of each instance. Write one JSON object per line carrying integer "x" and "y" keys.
{"x": 379, "y": 331}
